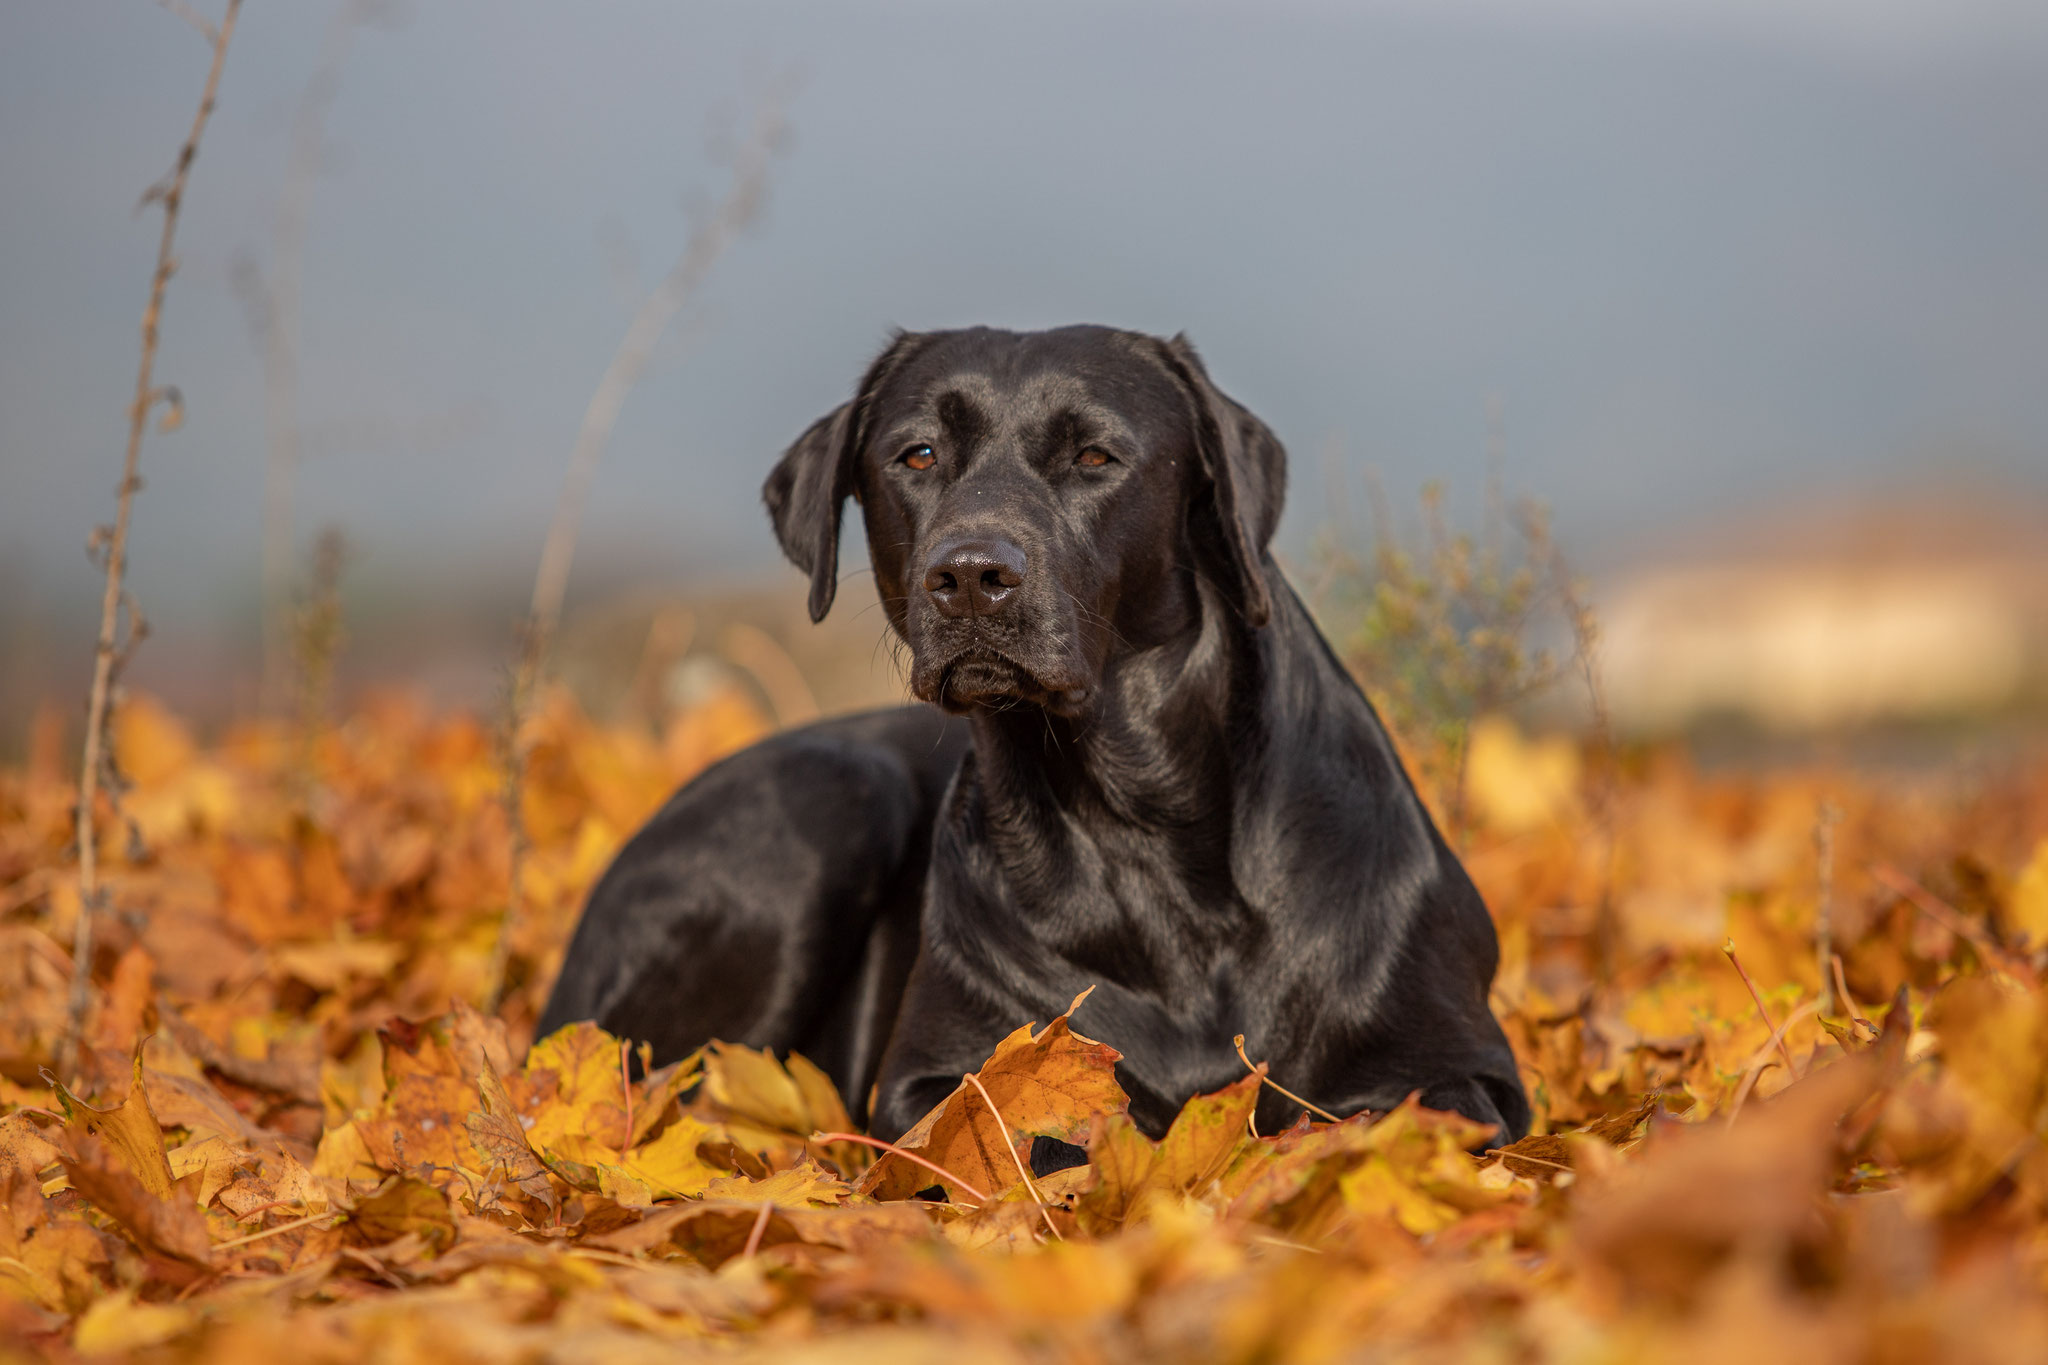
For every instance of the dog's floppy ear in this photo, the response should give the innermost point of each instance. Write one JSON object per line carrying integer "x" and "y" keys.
{"x": 1247, "y": 478}
{"x": 810, "y": 485}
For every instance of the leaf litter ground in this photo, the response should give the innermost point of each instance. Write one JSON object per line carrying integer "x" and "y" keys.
{"x": 291, "y": 1135}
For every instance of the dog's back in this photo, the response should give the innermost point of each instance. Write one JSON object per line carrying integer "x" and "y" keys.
{"x": 773, "y": 901}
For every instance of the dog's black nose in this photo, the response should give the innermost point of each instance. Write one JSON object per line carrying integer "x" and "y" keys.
{"x": 974, "y": 577}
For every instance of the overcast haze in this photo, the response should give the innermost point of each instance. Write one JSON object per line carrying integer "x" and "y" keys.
{"x": 1706, "y": 257}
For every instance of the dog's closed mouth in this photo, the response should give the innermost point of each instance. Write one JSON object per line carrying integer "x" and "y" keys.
{"x": 983, "y": 677}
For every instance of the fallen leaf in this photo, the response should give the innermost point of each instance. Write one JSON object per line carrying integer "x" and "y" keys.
{"x": 169, "y": 1226}
{"x": 1195, "y": 1151}
{"x": 118, "y": 1325}
{"x": 801, "y": 1186}
{"x": 129, "y": 1129}
{"x": 403, "y": 1207}
{"x": 671, "y": 1166}
{"x": 1051, "y": 1083}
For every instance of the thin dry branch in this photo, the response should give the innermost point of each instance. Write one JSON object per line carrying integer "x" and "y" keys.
{"x": 760, "y": 1228}
{"x": 1003, "y": 1132}
{"x": 275, "y": 308}
{"x": 1585, "y": 631}
{"x": 1953, "y": 920}
{"x": 107, "y": 654}
{"x": 1256, "y": 1070}
{"x": 1824, "y": 821}
{"x": 1777, "y": 1034}
{"x": 912, "y": 1157}
{"x": 740, "y": 207}
{"x": 190, "y": 16}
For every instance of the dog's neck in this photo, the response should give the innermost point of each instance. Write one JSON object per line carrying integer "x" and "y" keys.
{"x": 1167, "y": 744}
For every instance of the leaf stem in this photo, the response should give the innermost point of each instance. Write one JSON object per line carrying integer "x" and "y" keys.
{"x": 1784, "y": 1049}
{"x": 281, "y": 1227}
{"x": 911, "y": 1157}
{"x": 1011, "y": 1147}
{"x": 760, "y": 1229}
{"x": 1259, "y": 1071}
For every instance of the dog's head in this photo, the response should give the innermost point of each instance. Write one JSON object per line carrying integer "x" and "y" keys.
{"x": 1035, "y": 502}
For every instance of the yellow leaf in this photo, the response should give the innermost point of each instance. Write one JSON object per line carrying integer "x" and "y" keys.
{"x": 2027, "y": 913}
{"x": 1374, "y": 1189}
{"x": 1051, "y": 1083}
{"x": 154, "y": 744}
{"x": 60, "y": 1267}
{"x": 669, "y": 1165}
{"x": 343, "y": 1155}
{"x": 754, "y": 1085}
{"x": 1205, "y": 1135}
{"x": 116, "y": 1324}
{"x": 332, "y": 964}
{"x": 661, "y": 1090}
{"x": 129, "y": 1128}
{"x": 1994, "y": 1051}
{"x": 580, "y": 1090}
{"x": 404, "y": 1206}
{"x": 1070, "y": 1281}
{"x": 1516, "y": 785}
{"x": 803, "y": 1185}
{"x": 169, "y": 1226}
{"x": 23, "y": 1147}
{"x": 826, "y": 1112}
{"x": 215, "y": 1158}
{"x": 624, "y": 1188}
{"x": 354, "y": 1084}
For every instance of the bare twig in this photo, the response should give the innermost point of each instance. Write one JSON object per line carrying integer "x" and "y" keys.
{"x": 740, "y": 207}
{"x": 1003, "y": 1131}
{"x": 626, "y": 1085}
{"x": 1585, "y": 629}
{"x": 1824, "y": 822}
{"x": 760, "y": 1229}
{"x": 1760, "y": 1061}
{"x": 1256, "y": 1070}
{"x": 190, "y": 16}
{"x": 1850, "y": 1008}
{"x": 912, "y": 1157}
{"x": 1750, "y": 1076}
{"x": 769, "y": 664}
{"x": 316, "y": 639}
{"x": 276, "y": 309}
{"x": 281, "y": 1227}
{"x": 1952, "y": 919}
{"x": 1784, "y": 1049}
{"x": 1506, "y": 1156}
{"x": 107, "y": 655}
{"x": 512, "y": 757}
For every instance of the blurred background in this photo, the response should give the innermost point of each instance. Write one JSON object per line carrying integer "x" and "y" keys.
{"x": 1752, "y": 296}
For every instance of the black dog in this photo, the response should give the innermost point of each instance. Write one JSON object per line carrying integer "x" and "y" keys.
{"x": 1174, "y": 791}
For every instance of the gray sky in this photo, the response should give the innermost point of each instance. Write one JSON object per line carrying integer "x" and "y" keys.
{"x": 1707, "y": 255}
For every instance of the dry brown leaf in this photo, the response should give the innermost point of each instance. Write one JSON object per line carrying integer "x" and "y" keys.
{"x": 1051, "y": 1083}
{"x": 1196, "y": 1150}
{"x": 1699, "y": 1192}
{"x": 1907, "y": 1226}
{"x": 129, "y": 1129}
{"x": 403, "y": 1207}
{"x": 169, "y": 1225}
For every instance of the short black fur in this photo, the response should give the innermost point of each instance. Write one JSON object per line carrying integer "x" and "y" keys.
{"x": 1160, "y": 783}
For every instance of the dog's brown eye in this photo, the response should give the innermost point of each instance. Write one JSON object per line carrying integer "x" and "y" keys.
{"x": 920, "y": 457}
{"x": 1091, "y": 458}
